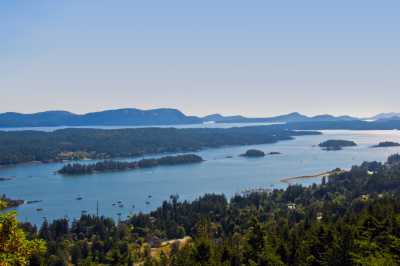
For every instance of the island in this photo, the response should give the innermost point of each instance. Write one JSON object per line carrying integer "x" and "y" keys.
{"x": 386, "y": 144}
{"x": 335, "y": 144}
{"x": 110, "y": 165}
{"x": 253, "y": 153}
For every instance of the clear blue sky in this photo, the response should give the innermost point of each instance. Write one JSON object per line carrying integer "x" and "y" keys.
{"x": 234, "y": 57}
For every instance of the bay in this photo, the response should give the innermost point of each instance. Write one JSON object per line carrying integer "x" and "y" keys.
{"x": 218, "y": 174}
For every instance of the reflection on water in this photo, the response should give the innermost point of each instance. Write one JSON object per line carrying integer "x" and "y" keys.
{"x": 143, "y": 190}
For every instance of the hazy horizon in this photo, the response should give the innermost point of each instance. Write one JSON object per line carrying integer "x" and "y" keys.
{"x": 203, "y": 115}
{"x": 230, "y": 57}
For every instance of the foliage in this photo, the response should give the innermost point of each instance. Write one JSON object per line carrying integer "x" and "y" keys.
{"x": 15, "y": 248}
{"x": 9, "y": 203}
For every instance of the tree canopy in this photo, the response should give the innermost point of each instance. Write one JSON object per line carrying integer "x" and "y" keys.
{"x": 15, "y": 248}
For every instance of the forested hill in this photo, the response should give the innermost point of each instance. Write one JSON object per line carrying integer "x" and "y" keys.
{"x": 119, "y": 117}
{"x": 66, "y": 144}
{"x": 137, "y": 117}
{"x": 352, "y": 218}
{"x": 168, "y": 116}
{"x": 287, "y": 118}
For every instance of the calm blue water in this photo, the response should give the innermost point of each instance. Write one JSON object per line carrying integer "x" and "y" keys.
{"x": 217, "y": 174}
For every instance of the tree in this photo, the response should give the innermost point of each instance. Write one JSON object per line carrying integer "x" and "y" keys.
{"x": 76, "y": 254}
{"x": 15, "y": 249}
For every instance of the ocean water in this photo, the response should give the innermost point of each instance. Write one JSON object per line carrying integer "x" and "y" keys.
{"x": 218, "y": 174}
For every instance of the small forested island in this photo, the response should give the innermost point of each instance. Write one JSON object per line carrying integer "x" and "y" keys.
{"x": 253, "y": 153}
{"x": 336, "y": 144}
{"x": 110, "y": 165}
{"x": 386, "y": 144}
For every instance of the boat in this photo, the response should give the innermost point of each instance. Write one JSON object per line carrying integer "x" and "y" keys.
{"x": 79, "y": 198}
{"x": 147, "y": 202}
{"x": 39, "y": 209}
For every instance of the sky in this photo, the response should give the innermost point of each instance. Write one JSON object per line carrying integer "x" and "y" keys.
{"x": 254, "y": 58}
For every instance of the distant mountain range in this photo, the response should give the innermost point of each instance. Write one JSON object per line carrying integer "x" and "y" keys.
{"x": 119, "y": 117}
{"x": 154, "y": 117}
{"x": 288, "y": 118}
{"x": 385, "y": 116}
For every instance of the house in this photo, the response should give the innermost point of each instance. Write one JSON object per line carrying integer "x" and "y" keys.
{"x": 365, "y": 197}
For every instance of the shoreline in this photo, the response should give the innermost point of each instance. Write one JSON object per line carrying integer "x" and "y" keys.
{"x": 292, "y": 180}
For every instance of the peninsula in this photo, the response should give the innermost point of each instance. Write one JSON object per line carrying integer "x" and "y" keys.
{"x": 82, "y": 143}
{"x": 292, "y": 180}
{"x": 11, "y": 203}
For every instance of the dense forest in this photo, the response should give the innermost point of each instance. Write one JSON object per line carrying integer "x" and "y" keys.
{"x": 110, "y": 165}
{"x": 351, "y": 218}
{"x": 67, "y": 144}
